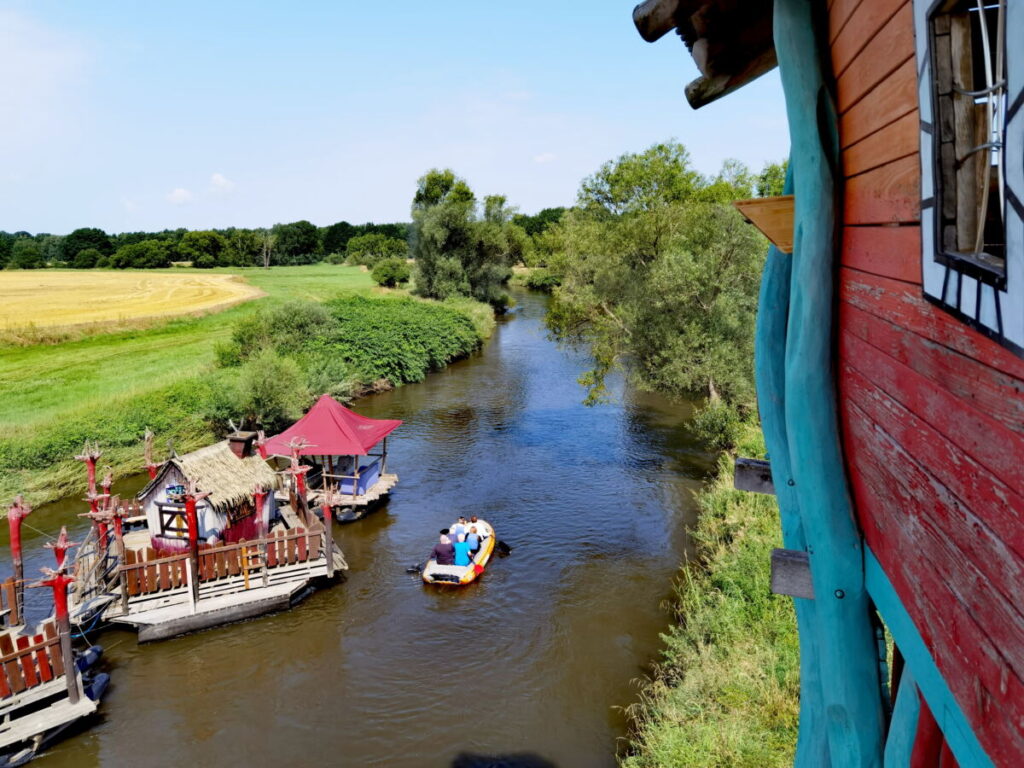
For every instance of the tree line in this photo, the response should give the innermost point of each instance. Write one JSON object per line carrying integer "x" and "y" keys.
{"x": 299, "y": 242}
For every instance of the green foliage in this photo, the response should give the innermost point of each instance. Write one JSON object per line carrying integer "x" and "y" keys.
{"x": 86, "y": 237}
{"x": 717, "y": 425}
{"x": 457, "y": 253}
{"x": 270, "y": 392}
{"x": 660, "y": 276}
{"x": 542, "y": 279}
{"x": 336, "y": 237}
{"x": 204, "y": 249}
{"x": 244, "y": 247}
{"x": 391, "y": 272}
{"x": 540, "y": 221}
{"x": 26, "y": 254}
{"x": 368, "y": 250}
{"x": 145, "y": 254}
{"x": 87, "y": 258}
{"x": 772, "y": 179}
{"x": 297, "y": 243}
{"x": 727, "y": 690}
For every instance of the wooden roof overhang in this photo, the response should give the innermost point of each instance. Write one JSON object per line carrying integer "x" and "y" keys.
{"x": 730, "y": 40}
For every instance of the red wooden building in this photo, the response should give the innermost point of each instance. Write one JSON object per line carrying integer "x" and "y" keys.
{"x": 896, "y": 329}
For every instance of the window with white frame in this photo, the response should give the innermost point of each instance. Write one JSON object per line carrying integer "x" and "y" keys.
{"x": 970, "y": 58}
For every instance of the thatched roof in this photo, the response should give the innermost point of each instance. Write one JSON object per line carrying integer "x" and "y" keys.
{"x": 216, "y": 470}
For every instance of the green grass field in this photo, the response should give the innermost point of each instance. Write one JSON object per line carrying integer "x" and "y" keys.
{"x": 45, "y": 383}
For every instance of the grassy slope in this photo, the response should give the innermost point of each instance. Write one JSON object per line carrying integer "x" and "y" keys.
{"x": 727, "y": 690}
{"x": 111, "y": 386}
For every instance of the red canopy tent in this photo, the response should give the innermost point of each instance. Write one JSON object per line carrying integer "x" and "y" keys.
{"x": 331, "y": 429}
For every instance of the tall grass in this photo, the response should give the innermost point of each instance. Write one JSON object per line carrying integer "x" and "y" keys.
{"x": 726, "y": 692}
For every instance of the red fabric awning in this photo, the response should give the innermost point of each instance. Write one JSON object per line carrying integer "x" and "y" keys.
{"x": 331, "y": 429}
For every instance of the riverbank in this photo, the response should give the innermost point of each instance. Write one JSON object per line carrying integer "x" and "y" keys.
{"x": 110, "y": 387}
{"x": 726, "y": 692}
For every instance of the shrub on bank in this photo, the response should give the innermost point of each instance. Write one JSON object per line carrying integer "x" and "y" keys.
{"x": 391, "y": 272}
{"x": 726, "y": 692}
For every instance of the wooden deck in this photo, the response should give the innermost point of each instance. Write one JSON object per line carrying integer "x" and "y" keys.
{"x": 381, "y": 488}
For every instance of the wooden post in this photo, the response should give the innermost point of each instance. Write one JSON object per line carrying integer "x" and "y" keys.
{"x": 59, "y": 582}
{"x": 192, "y": 519}
{"x": 384, "y": 457}
{"x": 122, "y": 577}
{"x": 329, "y": 540}
{"x": 355, "y": 477}
{"x": 17, "y": 512}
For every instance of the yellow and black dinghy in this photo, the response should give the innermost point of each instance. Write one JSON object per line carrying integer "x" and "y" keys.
{"x": 458, "y": 575}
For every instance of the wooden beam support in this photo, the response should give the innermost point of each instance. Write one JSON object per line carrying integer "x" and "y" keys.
{"x": 791, "y": 573}
{"x": 655, "y": 18}
{"x": 753, "y": 475}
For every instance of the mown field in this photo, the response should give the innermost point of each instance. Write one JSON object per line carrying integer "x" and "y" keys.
{"x": 51, "y": 297}
{"x": 110, "y": 384}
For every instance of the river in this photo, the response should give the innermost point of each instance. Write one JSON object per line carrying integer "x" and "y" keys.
{"x": 534, "y": 661}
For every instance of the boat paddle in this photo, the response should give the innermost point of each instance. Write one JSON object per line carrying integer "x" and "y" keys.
{"x": 504, "y": 550}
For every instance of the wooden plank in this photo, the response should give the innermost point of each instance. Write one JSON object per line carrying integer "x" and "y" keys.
{"x": 893, "y": 98}
{"x": 900, "y": 305}
{"x": 839, "y": 13}
{"x": 152, "y": 583}
{"x": 233, "y": 556}
{"x": 42, "y": 660}
{"x": 292, "y": 550}
{"x": 878, "y": 59}
{"x": 302, "y": 542}
{"x": 773, "y": 216}
{"x": 132, "y": 574}
{"x": 165, "y": 576}
{"x": 861, "y": 27}
{"x": 994, "y": 502}
{"x": 753, "y": 475}
{"x": 965, "y": 654}
{"x": 884, "y": 195}
{"x": 271, "y": 551}
{"x": 791, "y": 574}
{"x": 972, "y": 385}
{"x": 893, "y": 252}
{"x": 28, "y": 668}
{"x": 898, "y": 139}
{"x": 11, "y": 668}
{"x": 221, "y": 564}
{"x": 56, "y": 660}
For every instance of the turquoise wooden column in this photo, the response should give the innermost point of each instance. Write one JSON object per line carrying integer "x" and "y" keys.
{"x": 770, "y": 373}
{"x": 847, "y": 653}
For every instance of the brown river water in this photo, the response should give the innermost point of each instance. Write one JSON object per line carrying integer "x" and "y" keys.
{"x": 529, "y": 666}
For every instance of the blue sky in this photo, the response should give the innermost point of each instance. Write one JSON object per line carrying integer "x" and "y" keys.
{"x": 146, "y": 115}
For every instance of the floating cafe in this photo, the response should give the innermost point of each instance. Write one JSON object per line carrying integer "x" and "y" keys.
{"x": 234, "y": 530}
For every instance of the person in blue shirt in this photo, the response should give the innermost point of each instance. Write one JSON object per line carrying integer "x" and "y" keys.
{"x": 461, "y": 548}
{"x": 474, "y": 540}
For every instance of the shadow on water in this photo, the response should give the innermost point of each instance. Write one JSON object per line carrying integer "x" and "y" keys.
{"x": 535, "y": 658}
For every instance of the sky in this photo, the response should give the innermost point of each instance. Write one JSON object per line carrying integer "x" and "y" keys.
{"x": 132, "y": 116}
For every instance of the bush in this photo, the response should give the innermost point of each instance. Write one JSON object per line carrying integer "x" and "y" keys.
{"x": 717, "y": 424}
{"x": 147, "y": 254}
{"x": 270, "y": 391}
{"x": 87, "y": 258}
{"x": 543, "y": 280}
{"x": 391, "y": 272}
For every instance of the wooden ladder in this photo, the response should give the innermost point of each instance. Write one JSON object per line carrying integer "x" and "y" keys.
{"x": 251, "y": 559}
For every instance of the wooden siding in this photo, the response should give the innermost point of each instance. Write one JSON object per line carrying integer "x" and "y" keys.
{"x": 932, "y": 412}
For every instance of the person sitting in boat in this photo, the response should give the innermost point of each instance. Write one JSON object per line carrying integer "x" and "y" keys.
{"x": 443, "y": 552}
{"x": 474, "y": 539}
{"x": 462, "y": 553}
{"x": 482, "y": 528}
{"x": 459, "y": 529}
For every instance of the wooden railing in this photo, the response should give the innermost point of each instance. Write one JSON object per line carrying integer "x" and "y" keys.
{"x": 146, "y": 572}
{"x": 26, "y": 662}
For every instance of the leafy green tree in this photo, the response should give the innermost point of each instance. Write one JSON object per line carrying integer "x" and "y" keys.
{"x": 85, "y": 237}
{"x": 540, "y": 221}
{"x": 297, "y": 243}
{"x": 245, "y": 247}
{"x": 771, "y": 179}
{"x": 146, "y": 254}
{"x": 659, "y": 275}
{"x": 391, "y": 272}
{"x": 52, "y": 247}
{"x": 26, "y": 254}
{"x": 457, "y": 253}
{"x": 271, "y": 391}
{"x": 370, "y": 249}
{"x": 204, "y": 249}
{"x": 6, "y": 244}
{"x": 87, "y": 258}
{"x": 336, "y": 237}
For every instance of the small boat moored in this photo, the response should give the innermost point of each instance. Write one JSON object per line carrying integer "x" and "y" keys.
{"x": 459, "y": 575}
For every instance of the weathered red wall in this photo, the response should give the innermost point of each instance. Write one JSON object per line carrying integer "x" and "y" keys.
{"x": 933, "y": 412}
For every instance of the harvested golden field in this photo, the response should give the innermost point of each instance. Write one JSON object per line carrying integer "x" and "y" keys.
{"x": 47, "y": 298}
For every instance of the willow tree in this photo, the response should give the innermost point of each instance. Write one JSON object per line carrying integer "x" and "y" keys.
{"x": 660, "y": 277}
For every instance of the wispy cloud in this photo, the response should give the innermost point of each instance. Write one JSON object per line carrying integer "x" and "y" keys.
{"x": 221, "y": 184}
{"x": 179, "y": 196}
{"x": 544, "y": 157}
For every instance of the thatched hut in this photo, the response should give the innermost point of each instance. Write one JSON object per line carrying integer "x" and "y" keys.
{"x": 230, "y": 473}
